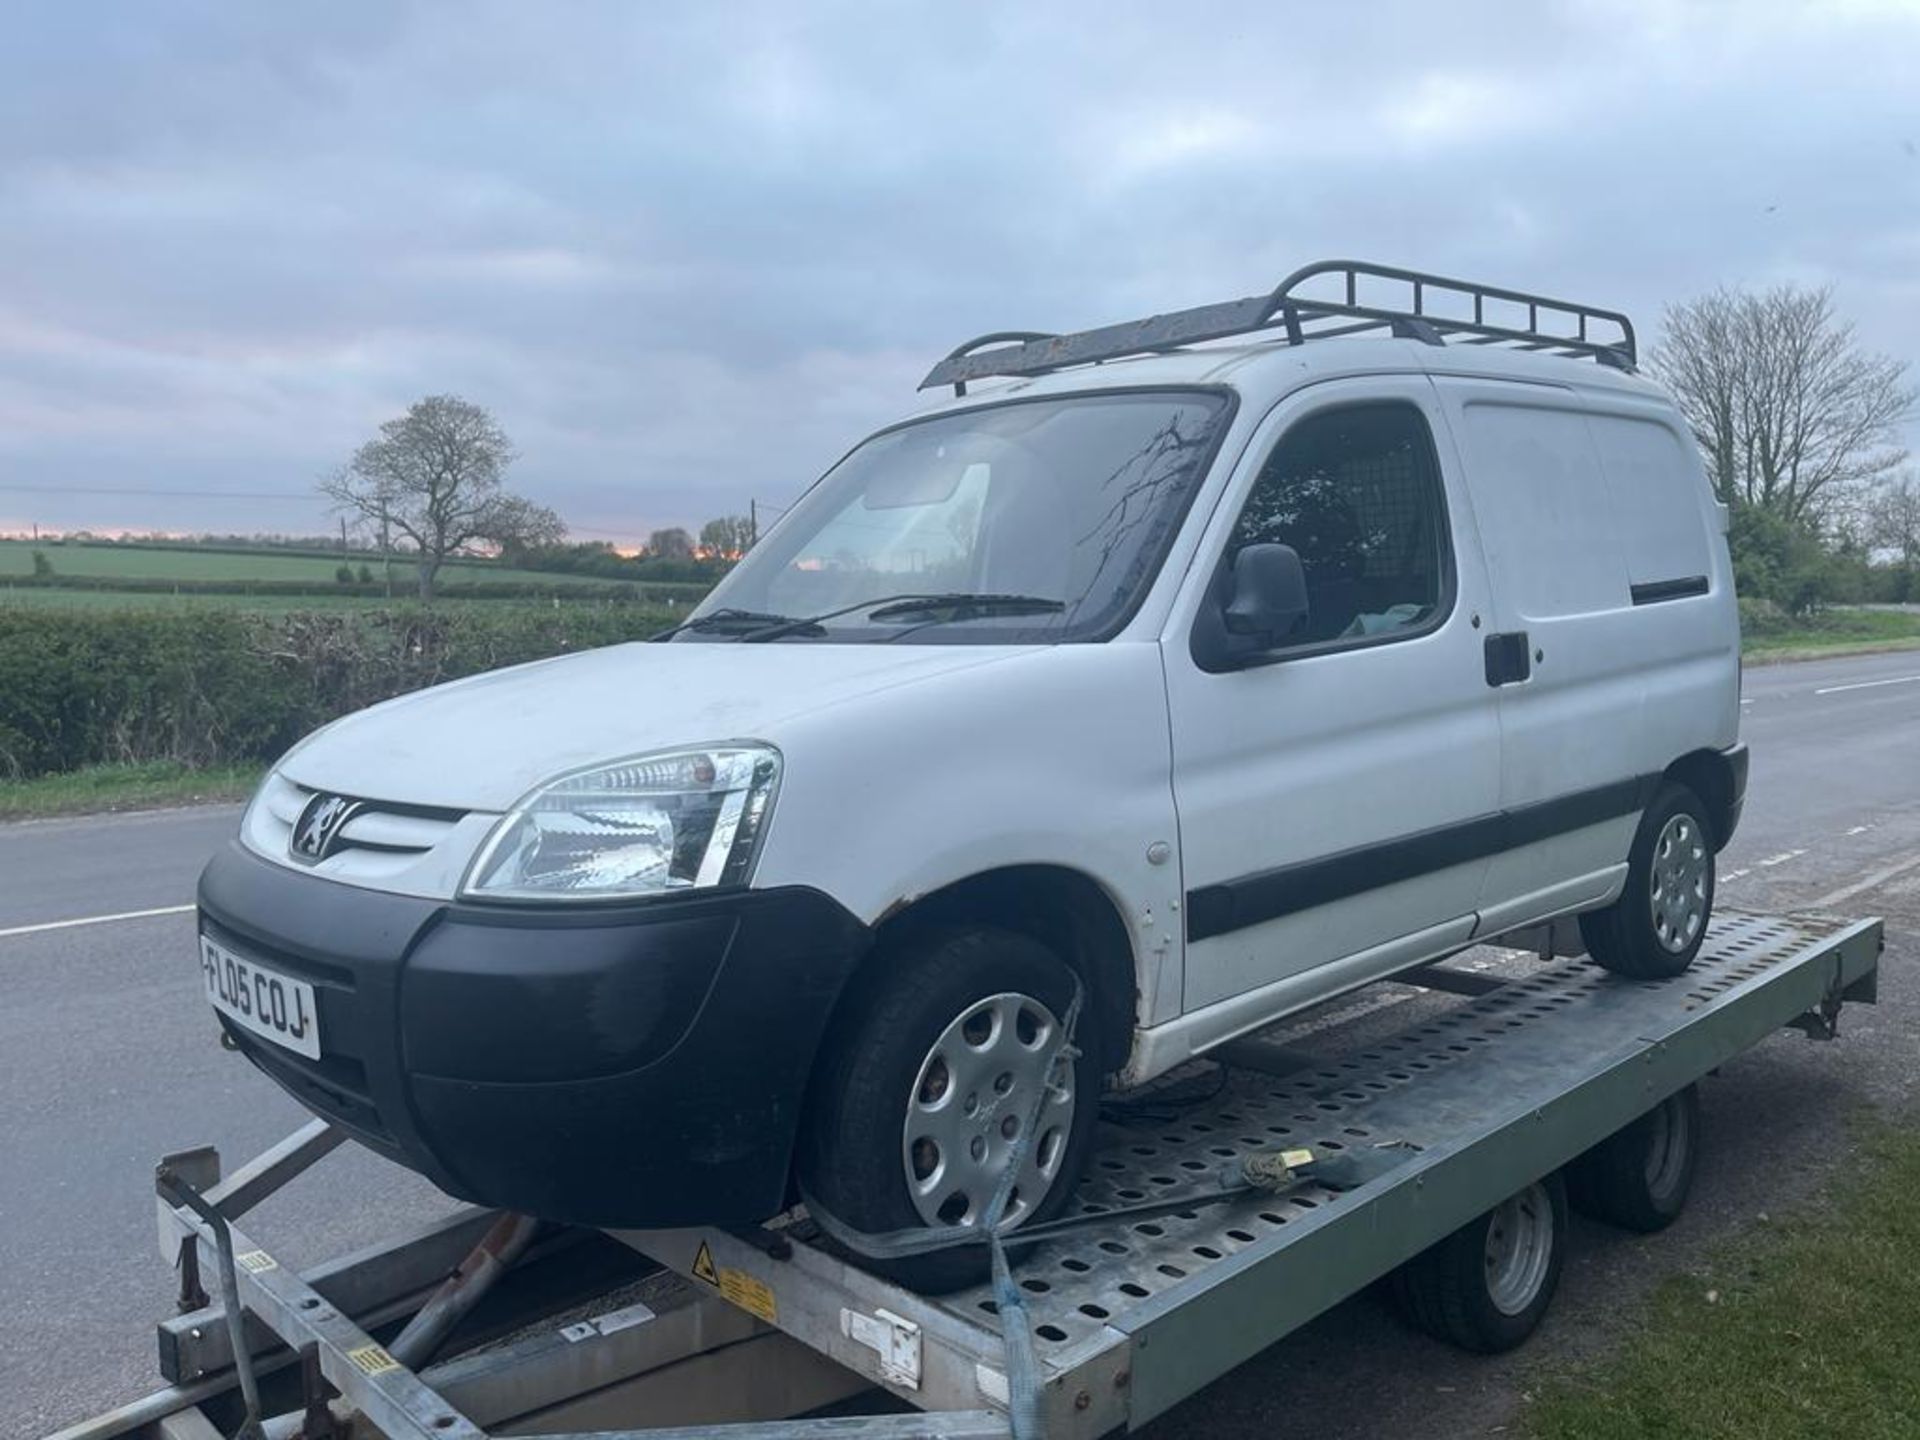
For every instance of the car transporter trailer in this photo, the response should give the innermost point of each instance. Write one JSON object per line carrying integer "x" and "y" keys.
{"x": 1203, "y": 1234}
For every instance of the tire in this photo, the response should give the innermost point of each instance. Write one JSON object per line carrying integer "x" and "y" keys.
{"x": 1639, "y": 1177}
{"x": 1458, "y": 1292}
{"x": 1656, "y": 927}
{"x": 885, "y": 1065}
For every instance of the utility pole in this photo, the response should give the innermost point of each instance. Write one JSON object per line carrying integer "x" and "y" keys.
{"x": 753, "y": 522}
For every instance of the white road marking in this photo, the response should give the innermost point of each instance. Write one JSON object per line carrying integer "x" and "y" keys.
{"x": 1780, "y": 859}
{"x": 1735, "y": 875}
{"x": 94, "y": 920}
{"x": 1859, "y": 887}
{"x": 1859, "y": 829}
{"x": 1869, "y": 684}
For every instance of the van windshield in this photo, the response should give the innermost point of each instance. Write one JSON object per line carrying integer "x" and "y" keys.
{"x": 1054, "y": 514}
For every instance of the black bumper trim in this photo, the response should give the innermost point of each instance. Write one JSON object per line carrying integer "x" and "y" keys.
{"x": 1738, "y": 760}
{"x": 636, "y": 1065}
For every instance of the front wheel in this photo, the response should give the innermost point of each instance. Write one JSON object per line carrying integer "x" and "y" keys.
{"x": 1656, "y": 927}
{"x": 928, "y": 1079}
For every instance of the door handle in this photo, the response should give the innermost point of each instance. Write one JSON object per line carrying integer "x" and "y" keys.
{"x": 1508, "y": 660}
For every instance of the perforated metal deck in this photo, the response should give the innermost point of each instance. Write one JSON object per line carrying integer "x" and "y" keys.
{"x": 1461, "y": 1107}
{"x": 1474, "y": 1104}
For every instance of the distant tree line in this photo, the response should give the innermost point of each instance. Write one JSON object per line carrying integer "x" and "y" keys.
{"x": 1800, "y": 428}
{"x": 599, "y": 559}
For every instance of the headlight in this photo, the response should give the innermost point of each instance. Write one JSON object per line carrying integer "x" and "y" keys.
{"x": 655, "y": 824}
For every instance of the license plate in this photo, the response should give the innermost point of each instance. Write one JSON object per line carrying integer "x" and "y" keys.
{"x": 274, "y": 1006}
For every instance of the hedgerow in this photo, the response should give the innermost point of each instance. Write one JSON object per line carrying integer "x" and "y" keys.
{"x": 83, "y": 687}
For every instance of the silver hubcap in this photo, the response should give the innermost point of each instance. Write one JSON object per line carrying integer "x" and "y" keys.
{"x": 1678, "y": 892}
{"x": 1520, "y": 1244}
{"x": 975, "y": 1090}
{"x": 1667, "y": 1142}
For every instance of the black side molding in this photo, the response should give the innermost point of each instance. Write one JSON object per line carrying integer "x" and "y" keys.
{"x": 1652, "y": 592}
{"x": 1269, "y": 894}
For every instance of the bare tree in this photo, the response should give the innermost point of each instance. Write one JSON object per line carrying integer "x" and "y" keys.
{"x": 1893, "y": 519}
{"x": 730, "y": 535}
{"x": 433, "y": 476}
{"x": 1793, "y": 414}
{"x": 674, "y": 544}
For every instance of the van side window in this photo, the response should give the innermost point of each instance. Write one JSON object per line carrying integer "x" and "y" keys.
{"x": 1356, "y": 492}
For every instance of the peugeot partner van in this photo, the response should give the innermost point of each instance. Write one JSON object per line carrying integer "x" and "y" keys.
{"x": 1165, "y": 679}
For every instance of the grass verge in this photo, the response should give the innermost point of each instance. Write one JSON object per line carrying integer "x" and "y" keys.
{"x": 97, "y": 788}
{"x": 1803, "y": 1329}
{"x": 1837, "y": 632}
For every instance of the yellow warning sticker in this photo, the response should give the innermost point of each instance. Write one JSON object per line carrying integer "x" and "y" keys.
{"x": 373, "y": 1359}
{"x": 1294, "y": 1159}
{"x": 749, "y": 1293}
{"x": 703, "y": 1266}
{"x": 256, "y": 1261}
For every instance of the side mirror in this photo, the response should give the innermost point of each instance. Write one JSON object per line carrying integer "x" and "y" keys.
{"x": 1268, "y": 592}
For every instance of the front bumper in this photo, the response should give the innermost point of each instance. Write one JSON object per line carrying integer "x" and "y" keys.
{"x": 631, "y": 1065}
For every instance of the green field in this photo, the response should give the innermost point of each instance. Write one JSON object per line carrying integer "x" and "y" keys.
{"x": 1832, "y": 632}
{"x": 187, "y": 563}
{"x": 27, "y": 597}
{"x": 99, "y": 788}
{"x": 1801, "y": 1327}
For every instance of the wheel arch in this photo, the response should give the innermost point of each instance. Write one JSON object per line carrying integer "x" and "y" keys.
{"x": 1064, "y": 909}
{"x": 1711, "y": 774}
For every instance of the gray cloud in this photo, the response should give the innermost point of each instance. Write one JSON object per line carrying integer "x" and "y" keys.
{"x": 688, "y": 257}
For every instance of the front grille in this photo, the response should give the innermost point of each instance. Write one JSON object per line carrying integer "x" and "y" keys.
{"x": 382, "y": 840}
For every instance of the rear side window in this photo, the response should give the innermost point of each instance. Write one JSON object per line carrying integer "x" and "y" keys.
{"x": 1356, "y": 492}
{"x": 1659, "y": 493}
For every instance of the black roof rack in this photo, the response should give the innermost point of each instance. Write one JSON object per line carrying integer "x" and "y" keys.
{"x": 1438, "y": 308}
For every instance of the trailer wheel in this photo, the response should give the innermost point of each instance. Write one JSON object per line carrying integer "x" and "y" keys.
{"x": 1485, "y": 1287}
{"x": 927, "y": 1077}
{"x": 1656, "y": 927}
{"x": 1638, "y": 1178}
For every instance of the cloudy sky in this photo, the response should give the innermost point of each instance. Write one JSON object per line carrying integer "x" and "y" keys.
{"x": 687, "y": 255}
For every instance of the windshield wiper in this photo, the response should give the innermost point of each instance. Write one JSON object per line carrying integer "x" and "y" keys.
{"x": 888, "y": 607}
{"x": 726, "y": 618}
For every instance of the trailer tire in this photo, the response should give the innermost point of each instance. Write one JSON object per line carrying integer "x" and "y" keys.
{"x": 1656, "y": 927}
{"x": 1638, "y": 1178}
{"x": 882, "y": 1074}
{"x": 1486, "y": 1286}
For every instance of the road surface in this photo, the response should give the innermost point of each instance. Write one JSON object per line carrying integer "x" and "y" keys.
{"x": 108, "y": 1058}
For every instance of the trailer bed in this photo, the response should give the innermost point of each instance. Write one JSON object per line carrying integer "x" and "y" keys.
{"x": 1130, "y": 1313}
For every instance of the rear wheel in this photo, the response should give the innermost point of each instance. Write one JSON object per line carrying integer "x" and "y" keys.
{"x": 929, "y": 1078}
{"x": 1486, "y": 1286}
{"x": 1657, "y": 925}
{"x": 1640, "y": 1176}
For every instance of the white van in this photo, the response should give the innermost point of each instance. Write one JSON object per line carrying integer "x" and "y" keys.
{"x": 1193, "y": 671}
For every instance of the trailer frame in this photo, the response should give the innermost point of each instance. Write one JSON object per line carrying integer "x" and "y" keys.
{"x": 1145, "y": 1302}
